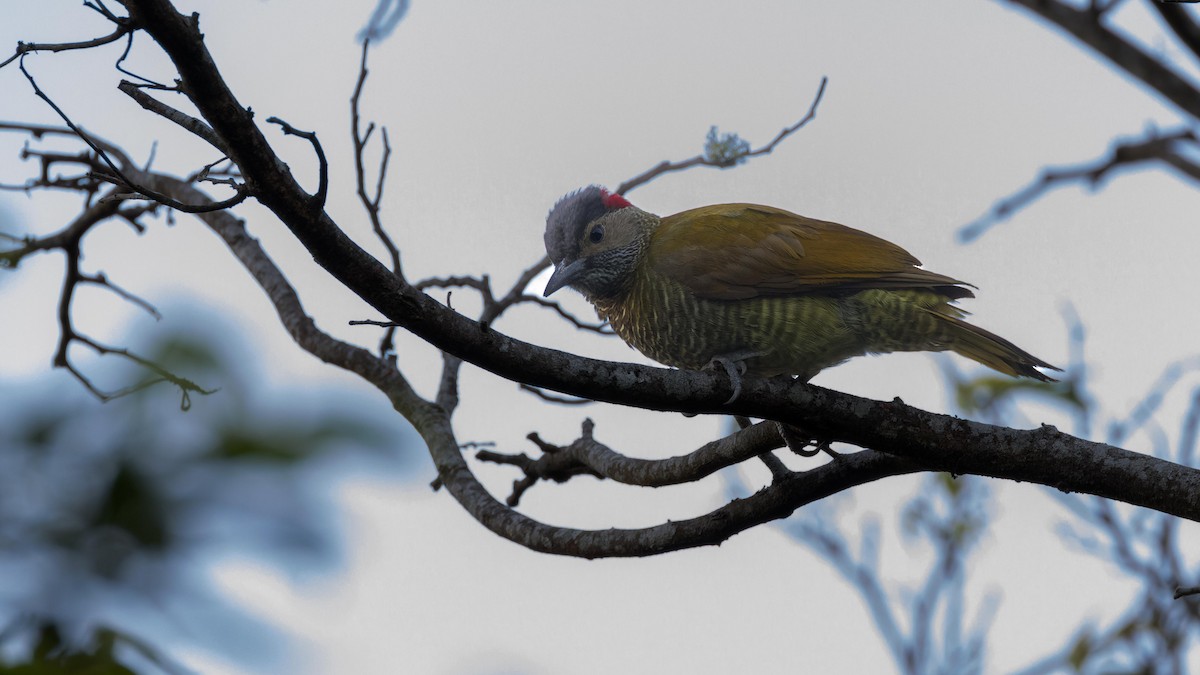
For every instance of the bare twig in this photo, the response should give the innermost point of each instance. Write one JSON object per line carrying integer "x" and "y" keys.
{"x": 240, "y": 193}
{"x": 124, "y": 26}
{"x": 480, "y": 284}
{"x": 1155, "y": 147}
{"x": 70, "y": 244}
{"x": 318, "y": 198}
{"x": 146, "y": 82}
{"x": 102, "y": 280}
{"x": 587, "y": 456}
{"x": 371, "y": 203}
{"x": 189, "y": 123}
{"x": 701, "y": 160}
{"x": 601, "y": 328}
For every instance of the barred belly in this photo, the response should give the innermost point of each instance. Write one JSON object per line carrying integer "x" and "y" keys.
{"x": 772, "y": 336}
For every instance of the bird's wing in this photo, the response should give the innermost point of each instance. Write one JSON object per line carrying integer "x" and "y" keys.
{"x": 738, "y": 251}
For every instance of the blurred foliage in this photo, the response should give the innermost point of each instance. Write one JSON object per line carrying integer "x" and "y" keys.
{"x": 108, "y": 507}
{"x": 51, "y": 656}
{"x": 10, "y": 233}
{"x": 950, "y": 512}
{"x": 989, "y": 394}
{"x": 1154, "y": 631}
{"x": 924, "y": 623}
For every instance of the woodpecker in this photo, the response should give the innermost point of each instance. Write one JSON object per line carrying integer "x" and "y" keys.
{"x": 758, "y": 290}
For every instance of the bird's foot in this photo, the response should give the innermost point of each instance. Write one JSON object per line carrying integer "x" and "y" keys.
{"x": 801, "y": 443}
{"x": 735, "y": 367}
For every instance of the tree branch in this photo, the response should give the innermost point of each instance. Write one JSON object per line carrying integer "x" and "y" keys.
{"x": 185, "y": 121}
{"x": 903, "y": 439}
{"x": 23, "y": 48}
{"x": 1088, "y": 28}
{"x": 918, "y": 439}
{"x": 703, "y": 160}
{"x": 1181, "y": 22}
{"x": 585, "y": 455}
{"x": 1153, "y": 147}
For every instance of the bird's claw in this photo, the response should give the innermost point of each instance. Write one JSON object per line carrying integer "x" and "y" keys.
{"x": 735, "y": 370}
{"x": 799, "y": 442}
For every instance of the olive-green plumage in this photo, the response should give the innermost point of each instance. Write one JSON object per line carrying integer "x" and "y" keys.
{"x": 777, "y": 293}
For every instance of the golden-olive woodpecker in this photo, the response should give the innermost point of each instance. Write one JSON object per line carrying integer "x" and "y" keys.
{"x": 759, "y": 289}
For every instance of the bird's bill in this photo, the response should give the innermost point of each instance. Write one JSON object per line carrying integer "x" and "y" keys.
{"x": 564, "y": 273}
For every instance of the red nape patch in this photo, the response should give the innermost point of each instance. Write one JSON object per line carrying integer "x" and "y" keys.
{"x": 612, "y": 201}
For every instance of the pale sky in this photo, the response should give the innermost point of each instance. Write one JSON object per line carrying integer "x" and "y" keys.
{"x": 934, "y": 109}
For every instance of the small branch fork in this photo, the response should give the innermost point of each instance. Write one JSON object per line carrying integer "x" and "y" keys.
{"x": 372, "y": 203}
{"x": 587, "y": 456}
{"x": 106, "y": 164}
{"x": 119, "y": 174}
{"x": 69, "y": 241}
{"x": 124, "y": 27}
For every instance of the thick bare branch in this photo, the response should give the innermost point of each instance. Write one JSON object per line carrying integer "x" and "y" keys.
{"x": 1181, "y": 22}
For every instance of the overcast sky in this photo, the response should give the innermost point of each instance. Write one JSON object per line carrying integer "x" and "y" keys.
{"x": 934, "y": 109}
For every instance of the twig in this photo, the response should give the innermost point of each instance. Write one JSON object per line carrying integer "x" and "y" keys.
{"x": 1153, "y": 148}
{"x": 102, "y": 280}
{"x": 553, "y": 465}
{"x": 601, "y": 328}
{"x": 480, "y": 284}
{"x": 318, "y": 199}
{"x": 146, "y": 82}
{"x": 187, "y": 122}
{"x": 701, "y": 160}
{"x": 124, "y": 26}
{"x": 240, "y": 193}
{"x": 372, "y": 203}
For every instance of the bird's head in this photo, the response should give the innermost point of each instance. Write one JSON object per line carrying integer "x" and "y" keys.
{"x": 595, "y": 238}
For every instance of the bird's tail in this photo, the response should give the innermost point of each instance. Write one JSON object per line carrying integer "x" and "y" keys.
{"x": 992, "y": 350}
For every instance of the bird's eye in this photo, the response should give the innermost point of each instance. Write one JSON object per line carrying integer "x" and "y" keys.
{"x": 596, "y": 234}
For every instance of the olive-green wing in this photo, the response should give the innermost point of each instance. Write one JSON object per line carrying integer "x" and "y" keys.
{"x": 738, "y": 251}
